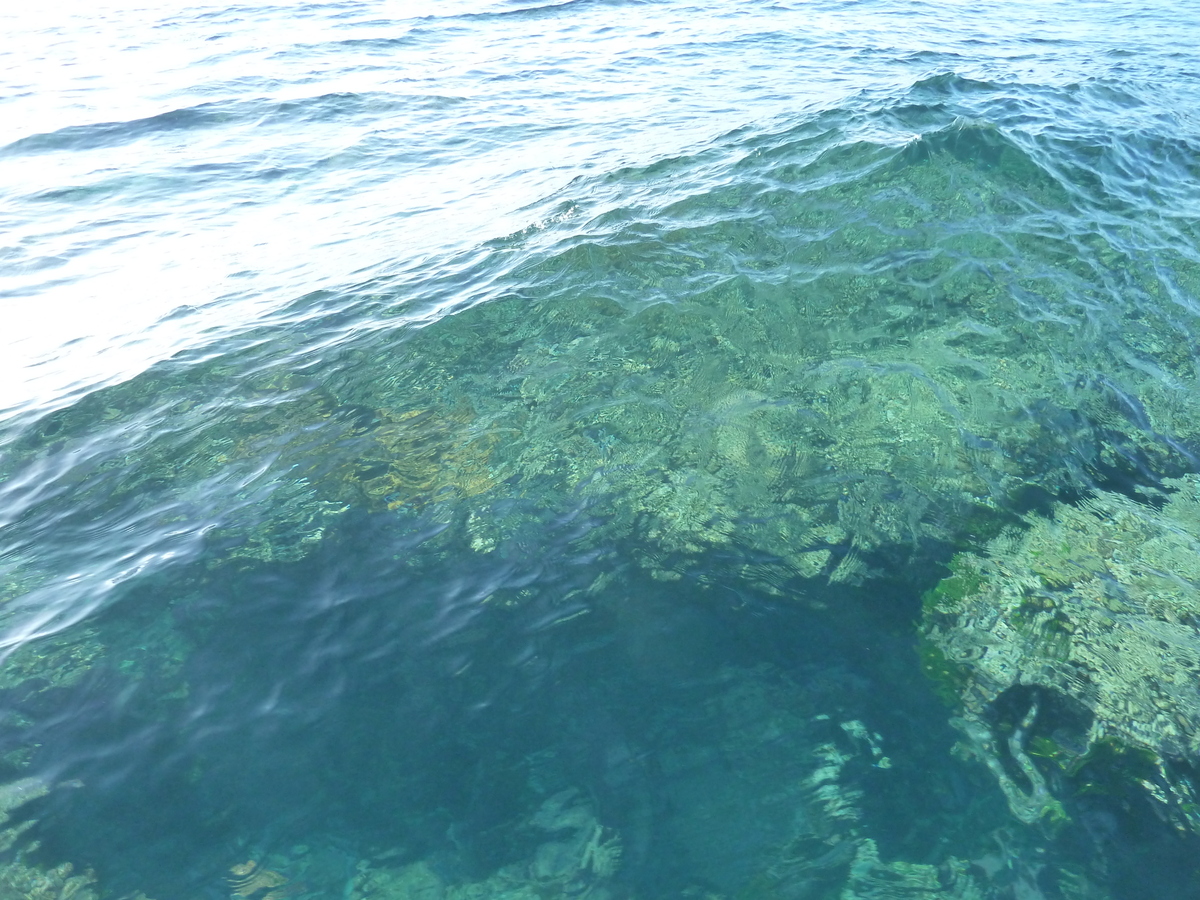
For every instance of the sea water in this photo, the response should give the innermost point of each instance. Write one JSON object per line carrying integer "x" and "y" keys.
{"x": 487, "y": 449}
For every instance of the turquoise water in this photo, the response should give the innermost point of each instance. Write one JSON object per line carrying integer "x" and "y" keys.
{"x": 602, "y": 449}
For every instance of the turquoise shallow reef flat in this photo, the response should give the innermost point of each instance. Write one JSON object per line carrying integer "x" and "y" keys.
{"x": 608, "y": 450}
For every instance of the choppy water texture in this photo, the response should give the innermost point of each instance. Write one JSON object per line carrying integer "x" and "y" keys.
{"x": 603, "y": 449}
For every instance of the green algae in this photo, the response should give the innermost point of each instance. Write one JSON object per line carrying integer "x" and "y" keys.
{"x": 963, "y": 582}
{"x": 947, "y": 677}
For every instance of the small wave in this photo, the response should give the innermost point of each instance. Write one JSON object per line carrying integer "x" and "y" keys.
{"x": 542, "y": 9}
{"x": 112, "y": 134}
{"x": 293, "y": 112}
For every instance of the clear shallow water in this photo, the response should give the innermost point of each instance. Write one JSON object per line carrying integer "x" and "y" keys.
{"x": 500, "y": 450}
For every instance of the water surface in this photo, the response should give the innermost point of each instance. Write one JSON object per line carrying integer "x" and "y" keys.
{"x": 484, "y": 449}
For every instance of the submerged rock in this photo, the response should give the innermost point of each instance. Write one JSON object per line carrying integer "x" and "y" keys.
{"x": 16, "y": 794}
{"x": 1097, "y": 609}
{"x": 21, "y": 880}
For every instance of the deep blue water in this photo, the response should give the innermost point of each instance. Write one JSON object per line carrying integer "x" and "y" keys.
{"x": 488, "y": 449}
